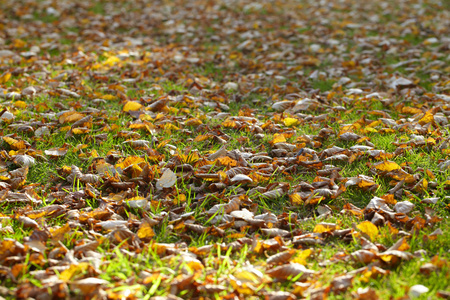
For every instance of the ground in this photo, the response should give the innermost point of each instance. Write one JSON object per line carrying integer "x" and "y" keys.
{"x": 224, "y": 149}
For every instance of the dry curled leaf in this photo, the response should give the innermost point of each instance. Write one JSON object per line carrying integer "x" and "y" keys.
{"x": 281, "y": 258}
{"x": 290, "y": 271}
{"x": 167, "y": 180}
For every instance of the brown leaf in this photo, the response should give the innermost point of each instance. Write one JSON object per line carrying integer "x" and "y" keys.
{"x": 281, "y": 258}
{"x": 290, "y": 271}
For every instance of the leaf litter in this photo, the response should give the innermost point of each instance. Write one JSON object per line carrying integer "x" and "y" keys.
{"x": 231, "y": 148}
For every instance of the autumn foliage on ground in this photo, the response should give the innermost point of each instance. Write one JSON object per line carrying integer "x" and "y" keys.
{"x": 224, "y": 149}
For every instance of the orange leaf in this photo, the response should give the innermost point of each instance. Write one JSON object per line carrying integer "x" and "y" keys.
{"x": 325, "y": 227}
{"x": 235, "y": 235}
{"x": 430, "y": 173}
{"x": 19, "y": 43}
{"x": 227, "y": 161}
{"x": 202, "y": 137}
{"x": 70, "y": 116}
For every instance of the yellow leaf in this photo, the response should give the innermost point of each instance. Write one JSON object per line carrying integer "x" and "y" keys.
{"x": 73, "y": 270}
{"x": 80, "y": 130}
{"x": 19, "y": 145}
{"x": 152, "y": 278}
{"x": 111, "y": 61}
{"x": 20, "y": 104}
{"x": 60, "y": 233}
{"x": 195, "y": 265}
{"x": 189, "y": 158}
{"x": 368, "y": 228}
{"x": 302, "y": 256}
{"x": 202, "y": 137}
{"x": 242, "y": 288}
{"x": 145, "y": 117}
{"x": 173, "y": 110}
{"x": 19, "y": 43}
{"x": 160, "y": 116}
{"x": 325, "y": 227}
{"x": 291, "y": 121}
{"x": 130, "y": 160}
{"x": 9, "y": 140}
{"x": 427, "y": 118}
{"x": 193, "y": 122}
{"x": 5, "y": 77}
{"x": 94, "y": 153}
{"x": 430, "y": 174}
{"x": 365, "y": 184}
{"x": 132, "y": 105}
{"x": 117, "y": 87}
{"x": 229, "y": 123}
{"x": 386, "y": 166}
{"x": 296, "y": 199}
{"x": 145, "y": 231}
{"x": 258, "y": 177}
{"x": 425, "y": 184}
{"x": 179, "y": 199}
{"x": 319, "y": 228}
{"x": 96, "y": 66}
{"x": 403, "y": 246}
{"x": 278, "y": 138}
{"x": 162, "y": 143}
{"x": 108, "y": 97}
{"x": 248, "y": 276}
{"x": 37, "y": 214}
{"x": 430, "y": 140}
{"x": 222, "y": 175}
{"x": 66, "y": 169}
{"x": 137, "y": 126}
{"x": 65, "y": 128}
{"x": 170, "y": 126}
{"x": 370, "y": 129}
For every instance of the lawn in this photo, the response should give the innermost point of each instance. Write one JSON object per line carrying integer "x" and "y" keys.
{"x": 224, "y": 149}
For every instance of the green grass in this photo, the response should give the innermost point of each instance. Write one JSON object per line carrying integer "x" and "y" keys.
{"x": 185, "y": 240}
